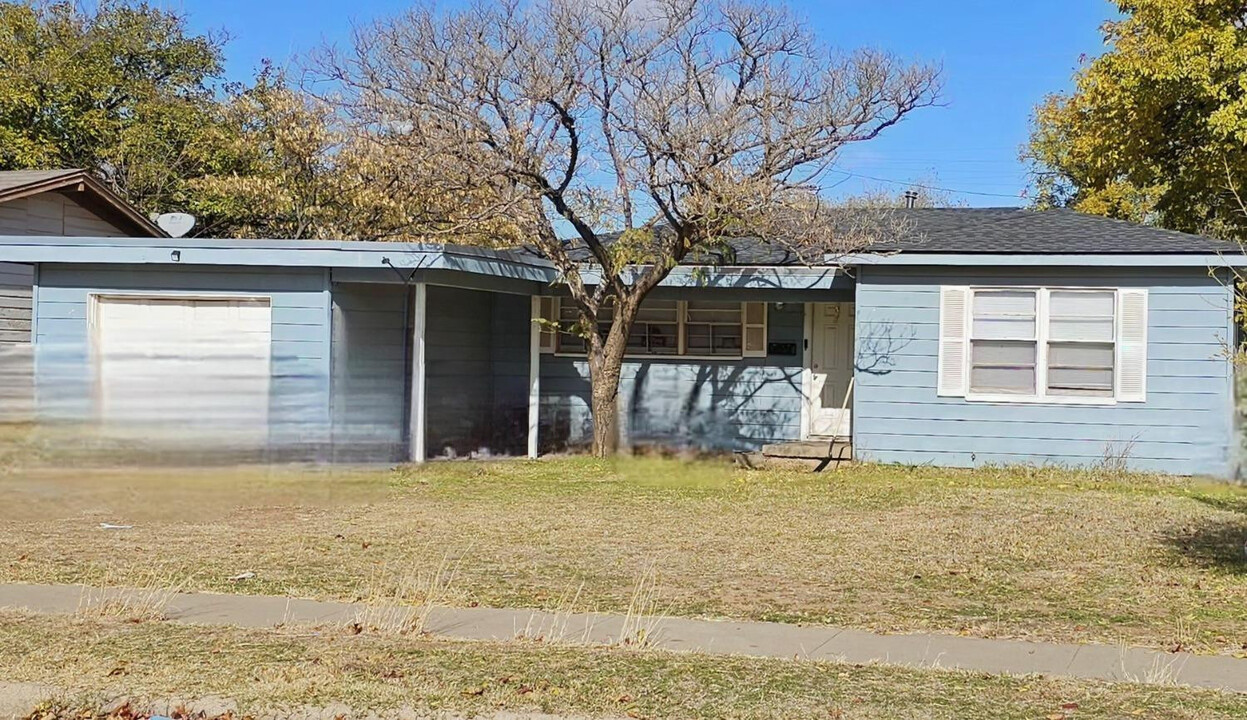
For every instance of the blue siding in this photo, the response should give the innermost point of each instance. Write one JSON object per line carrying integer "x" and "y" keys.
{"x": 300, "y": 336}
{"x": 459, "y": 390}
{"x": 727, "y": 405}
{"x": 1184, "y": 426}
{"x": 509, "y": 344}
{"x": 370, "y": 370}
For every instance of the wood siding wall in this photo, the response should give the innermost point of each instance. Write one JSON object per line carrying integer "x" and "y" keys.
{"x": 299, "y": 395}
{"x": 371, "y": 337}
{"x": 711, "y": 404}
{"x": 51, "y": 214}
{"x": 1184, "y": 427}
{"x": 16, "y": 366}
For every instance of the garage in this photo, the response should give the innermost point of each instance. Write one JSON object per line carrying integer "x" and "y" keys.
{"x": 186, "y": 370}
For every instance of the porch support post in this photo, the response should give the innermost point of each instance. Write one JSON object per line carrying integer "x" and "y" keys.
{"x": 534, "y": 375}
{"x": 419, "y": 314}
{"x": 807, "y": 373}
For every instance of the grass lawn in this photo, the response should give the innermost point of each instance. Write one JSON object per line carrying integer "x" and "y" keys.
{"x": 1038, "y": 554}
{"x": 292, "y": 668}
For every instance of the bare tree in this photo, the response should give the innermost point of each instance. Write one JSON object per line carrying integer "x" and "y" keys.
{"x": 647, "y": 130}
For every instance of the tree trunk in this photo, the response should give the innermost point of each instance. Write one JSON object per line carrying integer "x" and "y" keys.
{"x": 605, "y": 368}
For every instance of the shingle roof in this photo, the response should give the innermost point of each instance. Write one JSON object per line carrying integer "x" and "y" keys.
{"x": 1024, "y": 231}
{"x": 10, "y": 179}
{"x": 993, "y": 230}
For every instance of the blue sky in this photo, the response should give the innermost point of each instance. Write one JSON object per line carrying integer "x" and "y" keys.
{"x": 999, "y": 59}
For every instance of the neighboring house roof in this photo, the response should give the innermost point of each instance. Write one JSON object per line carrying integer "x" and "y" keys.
{"x": 97, "y": 196}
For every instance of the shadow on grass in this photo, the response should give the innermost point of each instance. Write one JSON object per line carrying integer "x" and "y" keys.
{"x": 1215, "y": 542}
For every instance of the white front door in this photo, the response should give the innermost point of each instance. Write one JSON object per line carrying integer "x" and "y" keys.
{"x": 831, "y": 370}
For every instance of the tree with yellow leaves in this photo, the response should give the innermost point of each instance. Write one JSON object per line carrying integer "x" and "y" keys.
{"x": 1156, "y": 128}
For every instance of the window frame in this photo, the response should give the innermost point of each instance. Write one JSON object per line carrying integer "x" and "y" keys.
{"x": 681, "y": 329}
{"x": 1042, "y": 339}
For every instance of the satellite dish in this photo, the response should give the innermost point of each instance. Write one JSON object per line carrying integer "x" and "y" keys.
{"x": 176, "y": 224}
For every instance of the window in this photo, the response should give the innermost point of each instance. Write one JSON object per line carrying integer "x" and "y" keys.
{"x": 699, "y": 328}
{"x": 1053, "y": 344}
{"x": 713, "y": 328}
{"x": 1081, "y": 336}
{"x": 1004, "y": 343}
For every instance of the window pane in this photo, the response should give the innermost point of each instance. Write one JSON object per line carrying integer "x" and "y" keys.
{"x": 1004, "y": 302}
{"x": 1080, "y": 369}
{"x": 1080, "y": 355}
{"x": 712, "y": 339}
{"x": 697, "y": 339}
{"x": 1066, "y": 303}
{"x": 636, "y": 338}
{"x": 1013, "y": 354}
{"x": 1080, "y": 382}
{"x": 658, "y": 311}
{"x": 664, "y": 339}
{"x": 703, "y": 311}
{"x": 1004, "y": 315}
{"x": 1092, "y": 329}
{"x": 1004, "y": 328}
{"x": 1014, "y": 381}
{"x": 1002, "y": 367}
{"x": 754, "y": 339}
{"x": 726, "y": 340}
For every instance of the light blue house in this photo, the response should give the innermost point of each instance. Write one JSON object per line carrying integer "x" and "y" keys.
{"x": 994, "y": 336}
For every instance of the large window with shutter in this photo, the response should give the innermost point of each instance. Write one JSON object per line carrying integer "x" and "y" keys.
{"x": 686, "y": 328}
{"x": 1061, "y": 345}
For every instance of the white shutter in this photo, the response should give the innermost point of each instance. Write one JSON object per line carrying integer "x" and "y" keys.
{"x": 547, "y": 310}
{"x": 1131, "y": 345}
{"x": 954, "y": 347}
{"x": 753, "y": 314}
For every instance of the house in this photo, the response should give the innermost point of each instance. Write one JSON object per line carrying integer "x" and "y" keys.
{"x": 995, "y": 335}
{"x": 47, "y": 202}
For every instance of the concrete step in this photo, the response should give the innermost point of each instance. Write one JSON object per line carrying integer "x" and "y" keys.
{"x": 816, "y": 455}
{"x": 810, "y": 450}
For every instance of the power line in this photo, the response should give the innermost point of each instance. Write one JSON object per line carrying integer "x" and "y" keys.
{"x": 926, "y": 187}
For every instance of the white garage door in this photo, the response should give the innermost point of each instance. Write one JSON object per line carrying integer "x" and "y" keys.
{"x": 184, "y": 368}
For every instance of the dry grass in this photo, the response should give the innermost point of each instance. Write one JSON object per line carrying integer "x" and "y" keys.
{"x": 284, "y": 670}
{"x": 143, "y": 601}
{"x": 402, "y": 606}
{"x": 1006, "y": 552}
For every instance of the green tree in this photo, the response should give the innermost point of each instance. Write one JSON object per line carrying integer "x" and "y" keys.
{"x": 124, "y": 91}
{"x": 1156, "y": 128}
{"x": 284, "y": 165}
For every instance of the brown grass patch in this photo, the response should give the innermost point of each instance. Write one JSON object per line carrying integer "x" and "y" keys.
{"x": 277, "y": 672}
{"x": 1005, "y": 552}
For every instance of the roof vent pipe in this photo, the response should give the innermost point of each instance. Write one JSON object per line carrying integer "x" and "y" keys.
{"x": 911, "y": 198}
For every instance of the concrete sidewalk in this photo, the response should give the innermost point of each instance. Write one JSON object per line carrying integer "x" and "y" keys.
{"x": 757, "y": 639}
